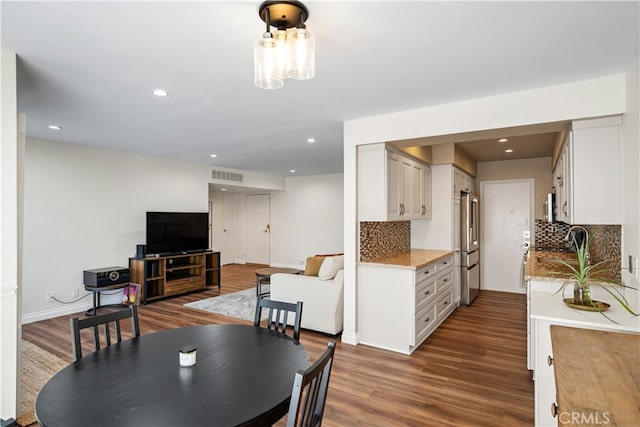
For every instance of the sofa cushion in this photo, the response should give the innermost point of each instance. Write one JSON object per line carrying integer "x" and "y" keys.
{"x": 313, "y": 265}
{"x": 330, "y": 267}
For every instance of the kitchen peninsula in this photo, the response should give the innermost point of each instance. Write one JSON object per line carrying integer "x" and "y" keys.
{"x": 546, "y": 308}
{"x": 403, "y": 298}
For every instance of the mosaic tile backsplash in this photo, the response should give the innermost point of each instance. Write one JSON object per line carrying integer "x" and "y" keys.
{"x": 381, "y": 239}
{"x": 605, "y": 242}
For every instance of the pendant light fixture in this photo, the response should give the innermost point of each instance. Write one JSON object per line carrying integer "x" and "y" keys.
{"x": 289, "y": 52}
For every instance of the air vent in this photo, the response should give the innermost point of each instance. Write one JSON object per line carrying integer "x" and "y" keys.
{"x": 226, "y": 176}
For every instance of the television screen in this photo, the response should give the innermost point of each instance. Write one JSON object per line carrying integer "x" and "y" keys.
{"x": 177, "y": 232}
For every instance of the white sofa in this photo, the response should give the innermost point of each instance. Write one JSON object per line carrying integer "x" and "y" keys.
{"x": 322, "y": 300}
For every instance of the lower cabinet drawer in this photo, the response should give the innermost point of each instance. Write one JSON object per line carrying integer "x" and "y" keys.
{"x": 425, "y": 293}
{"x": 445, "y": 303}
{"x": 425, "y": 322}
{"x": 444, "y": 279}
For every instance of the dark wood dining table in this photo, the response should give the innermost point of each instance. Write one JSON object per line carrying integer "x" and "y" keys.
{"x": 243, "y": 376}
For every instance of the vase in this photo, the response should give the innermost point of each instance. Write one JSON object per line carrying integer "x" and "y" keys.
{"x": 581, "y": 294}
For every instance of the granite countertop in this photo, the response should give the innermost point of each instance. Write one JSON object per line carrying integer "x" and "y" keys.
{"x": 413, "y": 259}
{"x": 541, "y": 266}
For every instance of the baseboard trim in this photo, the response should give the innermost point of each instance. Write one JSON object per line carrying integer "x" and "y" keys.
{"x": 56, "y": 312}
{"x": 350, "y": 338}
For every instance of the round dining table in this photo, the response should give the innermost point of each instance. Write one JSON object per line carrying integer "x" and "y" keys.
{"x": 243, "y": 375}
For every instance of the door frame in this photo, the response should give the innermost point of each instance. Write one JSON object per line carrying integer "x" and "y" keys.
{"x": 246, "y": 228}
{"x": 532, "y": 212}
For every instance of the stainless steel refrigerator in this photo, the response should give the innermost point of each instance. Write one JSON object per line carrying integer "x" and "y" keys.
{"x": 469, "y": 248}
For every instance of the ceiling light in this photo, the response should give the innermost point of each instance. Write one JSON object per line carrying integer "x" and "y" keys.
{"x": 55, "y": 127}
{"x": 508, "y": 150}
{"x": 160, "y": 92}
{"x": 214, "y": 155}
{"x": 503, "y": 140}
{"x": 223, "y": 189}
{"x": 292, "y": 171}
{"x": 290, "y": 53}
{"x": 311, "y": 140}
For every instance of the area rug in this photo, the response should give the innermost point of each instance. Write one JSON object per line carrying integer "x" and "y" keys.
{"x": 241, "y": 304}
{"x": 38, "y": 366}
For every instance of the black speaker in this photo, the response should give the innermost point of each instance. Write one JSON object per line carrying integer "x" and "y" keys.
{"x": 141, "y": 251}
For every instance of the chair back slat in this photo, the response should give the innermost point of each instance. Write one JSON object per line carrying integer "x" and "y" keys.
{"x": 309, "y": 394}
{"x": 104, "y": 321}
{"x": 278, "y": 316}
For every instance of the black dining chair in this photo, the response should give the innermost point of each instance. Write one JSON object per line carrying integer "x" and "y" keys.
{"x": 104, "y": 320}
{"x": 310, "y": 391}
{"x": 279, "y": 315}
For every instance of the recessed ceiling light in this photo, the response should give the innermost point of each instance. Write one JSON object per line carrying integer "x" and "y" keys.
{"x": 55, "y": 127}
{"x": 160, "y": 92}
{"x": 311, "y": 140}
{"x": 508, "y": 150}
{"x": 223, "y": 189}
{"x": 213, "y": 155}
{"x": 292, "y": 171}
{"x": 503, "y": 140}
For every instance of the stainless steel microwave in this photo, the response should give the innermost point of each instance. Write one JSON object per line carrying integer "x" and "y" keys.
{"x": 549, "y": 207}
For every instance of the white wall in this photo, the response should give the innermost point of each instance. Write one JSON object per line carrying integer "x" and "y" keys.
{"x": 631, "y": 180}
{"x": 9, "y": 291}
{"x": 306, "y": 219}
{"x": 590, "y": 98}
{"x": 85, "y": 208}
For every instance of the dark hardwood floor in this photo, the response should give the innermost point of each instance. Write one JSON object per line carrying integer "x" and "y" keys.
{"x": 472, "y": 371}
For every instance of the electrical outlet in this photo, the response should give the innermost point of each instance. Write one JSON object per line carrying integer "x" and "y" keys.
{"x": 51, "y": 296}
{"x": 75, "y": 293}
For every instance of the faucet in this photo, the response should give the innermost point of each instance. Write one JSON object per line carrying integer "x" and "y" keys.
{"x": 586, "y": 232}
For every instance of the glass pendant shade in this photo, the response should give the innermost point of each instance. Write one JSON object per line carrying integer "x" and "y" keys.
{"x": 268, "y": 72}
{"x": 301, "y": 54}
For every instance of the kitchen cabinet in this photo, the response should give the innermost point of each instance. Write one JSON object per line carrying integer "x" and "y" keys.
{"x": 587, "y": 177}
{"x": 462, "y": 182}
{"x": 392, "y": 186}
{"x": 398, "y": 308}
{"x": 546, "y": 309}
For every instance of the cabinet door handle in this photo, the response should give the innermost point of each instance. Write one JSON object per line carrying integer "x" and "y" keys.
{"x": 549, "y": 360}
{"x": 564, "y": 208}
{"x": 554, "y": 410}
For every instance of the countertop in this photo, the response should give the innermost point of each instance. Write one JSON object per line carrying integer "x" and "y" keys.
{"x": 414, "y": 259}
{"x": 597, "y": 376}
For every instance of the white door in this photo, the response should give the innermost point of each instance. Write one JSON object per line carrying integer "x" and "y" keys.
{"x": 229, "y": 243}
{"x": 506, "y": 213}
{"x": 258, "y": 214}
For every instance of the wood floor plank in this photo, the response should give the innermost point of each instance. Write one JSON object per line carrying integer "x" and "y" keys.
{"x": 470, "y": 372}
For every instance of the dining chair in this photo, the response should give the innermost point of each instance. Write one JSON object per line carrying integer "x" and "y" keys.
{"x": 103, "y": 320}
{"x": 310, "y": 391}
{"x": 279, "y": 315}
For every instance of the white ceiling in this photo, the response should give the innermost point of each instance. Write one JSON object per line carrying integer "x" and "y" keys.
{"x": 91, "y": 66}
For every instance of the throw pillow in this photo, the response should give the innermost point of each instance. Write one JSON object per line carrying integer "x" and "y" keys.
{"x": 330, "y": 267}
{"x": 313, "y": 265}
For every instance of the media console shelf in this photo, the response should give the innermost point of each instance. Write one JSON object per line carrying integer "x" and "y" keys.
{"x": 164, "y": 276}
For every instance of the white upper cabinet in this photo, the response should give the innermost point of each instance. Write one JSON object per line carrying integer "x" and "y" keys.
{"x": 587, "y": 177}
{"x": 392, "y": 186}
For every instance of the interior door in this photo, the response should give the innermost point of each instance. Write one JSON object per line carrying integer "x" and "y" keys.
{"x": 229, "y": 245}
{"x": 507, "y": 210}
{"x": 258, "y": 215}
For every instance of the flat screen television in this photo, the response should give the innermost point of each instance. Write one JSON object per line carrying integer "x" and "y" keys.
{"x": 177, "y": 232}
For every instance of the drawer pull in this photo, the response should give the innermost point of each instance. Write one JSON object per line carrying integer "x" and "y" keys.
{"x": 427, "y": 293}
{"x": 426, "y": 272}
{"x": 549, "y": 360}
{"x": 446, "y": 280}
{"x": 426, "y": 320}
{"x": 446, "y": 302}
{"x": 554, "y": 410}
